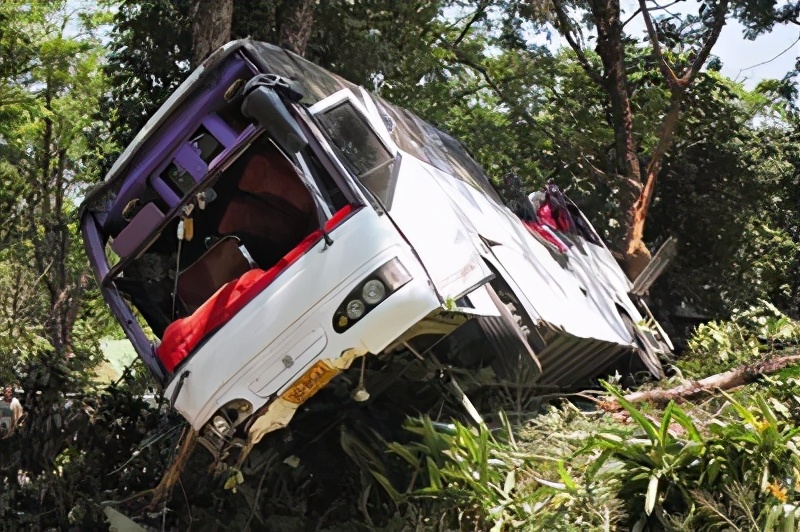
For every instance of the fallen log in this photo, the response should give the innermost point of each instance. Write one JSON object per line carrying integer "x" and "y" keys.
{"x": 707, "y": 386}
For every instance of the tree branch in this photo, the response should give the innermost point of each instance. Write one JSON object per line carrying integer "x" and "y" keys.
{"x": 631, "y": 17}
{"x": 565, "y": 29}
{"x": 475, "y": 17}
{"x": 666, "y": 134}
{"x": 657, "y": 8}
{"x": 716, "y": 29}
{"x": 173, "y": 473}
{"x": 669, "y": 76}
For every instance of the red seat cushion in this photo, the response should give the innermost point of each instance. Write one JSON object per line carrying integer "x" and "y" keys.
{"x": 182, "y": 336}
{"x": 537, "y": 229}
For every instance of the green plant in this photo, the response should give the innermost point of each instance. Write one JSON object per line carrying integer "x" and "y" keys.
{"x": 472, "y": 478}
{"x": 760, "y": 451}
{"x": 740, "y": 470}
{"x": 656, "y": 473}
{"x": 471, "y": 468}
{"x": 718, "y": 346}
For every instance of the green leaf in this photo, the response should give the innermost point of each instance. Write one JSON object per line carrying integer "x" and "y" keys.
{"x": 743, "y": 412}
{"x": 688, "y": 424}
{"x": 386, "y": 485}
{"x": 652, "y": 495}
{"x": 766, "y": 411}
{"x": 403, "y": 452}
{"x": 566, "y": 478}
{"x": 484, "y": 456}
{"x": 665, "y": 421}
{"x": 713, "y": 468}
{"x": 510, "y": 483}
{"x": 433, "y": 474}
{"x": 636, "y": 414}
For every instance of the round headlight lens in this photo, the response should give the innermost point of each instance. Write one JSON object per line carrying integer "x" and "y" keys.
{"x": 355, "y": 309}
{"x": 373, "y": 292}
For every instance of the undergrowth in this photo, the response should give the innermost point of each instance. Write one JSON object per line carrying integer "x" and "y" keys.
{"x": 728, "y": 462}
{"x": 718, "y": 346}
{"x": 731, "y": 462}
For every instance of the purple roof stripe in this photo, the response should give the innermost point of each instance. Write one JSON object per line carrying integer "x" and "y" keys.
{"x": 95, "y": 249}
{"x": 176, "y": 131}
{"x": 93, "y": 242}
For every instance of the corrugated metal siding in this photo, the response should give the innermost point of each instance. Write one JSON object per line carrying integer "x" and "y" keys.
{"x": 567, "y": 360}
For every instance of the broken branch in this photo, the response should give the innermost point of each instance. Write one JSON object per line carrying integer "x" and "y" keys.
{"x": 173, "y": 474}
{"x": 703, "y": 387}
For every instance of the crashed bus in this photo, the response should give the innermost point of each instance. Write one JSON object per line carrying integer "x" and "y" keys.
{"x": 274, "y": 226}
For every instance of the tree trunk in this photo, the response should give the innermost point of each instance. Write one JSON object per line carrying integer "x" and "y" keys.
{"x": 49, "y": 226}
{"x": 637, "y": 256}
{"x": 211, "y": 27}
{"x": 295, "y": 20}
{"x": 611, "y": 49}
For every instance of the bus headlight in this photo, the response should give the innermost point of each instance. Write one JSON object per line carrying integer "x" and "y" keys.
{"x": 376, "y": 288}
{"x": 355, "y": 309}
{"x": 373, "y": 292}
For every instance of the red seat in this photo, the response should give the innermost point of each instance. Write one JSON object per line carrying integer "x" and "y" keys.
{"x": 182, "y": 336}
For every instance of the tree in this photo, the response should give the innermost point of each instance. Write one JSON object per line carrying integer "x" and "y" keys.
{"x": 149, "y": 54}
{"x": 211, "y": 27}
{"x": 58, "y": 83}
{"x": 680, "y": 47}
{"x": 728, "y": 194}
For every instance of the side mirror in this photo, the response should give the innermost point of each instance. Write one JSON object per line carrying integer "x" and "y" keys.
{"x": 265, "y": 106}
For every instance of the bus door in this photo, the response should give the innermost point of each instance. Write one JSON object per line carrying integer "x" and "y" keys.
{"x": 408, "y": 190}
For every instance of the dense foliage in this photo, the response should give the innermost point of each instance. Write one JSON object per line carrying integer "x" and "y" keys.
{"x": 730, "y": 463}
{"x": 78, "y": 79}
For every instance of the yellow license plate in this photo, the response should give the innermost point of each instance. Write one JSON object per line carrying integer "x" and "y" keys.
{"x": 310, "y": 383}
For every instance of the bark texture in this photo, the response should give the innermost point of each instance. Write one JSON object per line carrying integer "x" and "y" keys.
{"x": 211, "y": 27}
{"x": 295, "y": 20}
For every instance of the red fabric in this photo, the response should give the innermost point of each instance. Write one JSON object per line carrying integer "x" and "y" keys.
{"x": 183, "y": 335}
{"x": 557, "y": 220}
{"x": 338, "y": 217}
{"x": 546, "y": 235}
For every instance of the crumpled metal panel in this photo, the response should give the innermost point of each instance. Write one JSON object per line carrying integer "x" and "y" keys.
{"x": 568, "y": 361}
